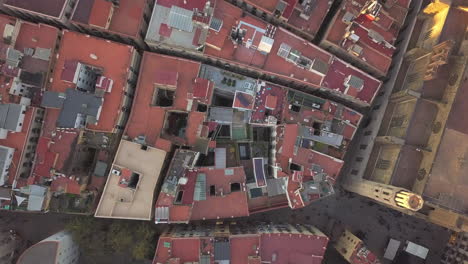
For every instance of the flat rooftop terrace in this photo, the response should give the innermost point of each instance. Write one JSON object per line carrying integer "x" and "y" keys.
{"x": 122, "y": 200}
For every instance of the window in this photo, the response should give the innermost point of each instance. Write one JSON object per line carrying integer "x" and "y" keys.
{"x": 235, "y": 187}
{"x": 359, "y": 159}
{"x": 413, "y": 77}
{"x": 428, "y": 34}
{"x": 363, "y": 146}
{"x": 397, "y": 121}
{"x": 179, "y": 196}
{"x": 295, "y": 167}
{"x": 212, "y": 190}
{"x": 354, "y": 172}
{"x": 367, "y": 133}
{"x": 202, "y": 108}
{"x": 383, "y": 164}
{"x": 295, "y": 108}
{"x": 163, "y": 97}
{"x": 134, "y": 179}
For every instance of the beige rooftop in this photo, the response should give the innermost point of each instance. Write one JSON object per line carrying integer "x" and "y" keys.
{"x": 131, "y": 182}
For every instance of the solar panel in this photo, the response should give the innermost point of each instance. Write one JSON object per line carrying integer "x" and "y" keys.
{"x": 200, "y": 188}
{"x": 216, "y": 24}
{"x": 259, "y": 172}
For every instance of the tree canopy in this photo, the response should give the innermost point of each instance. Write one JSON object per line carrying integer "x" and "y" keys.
{"x": 97, "y": 237}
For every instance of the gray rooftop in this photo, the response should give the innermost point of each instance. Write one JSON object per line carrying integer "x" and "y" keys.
{"x": 74, "y": 105}
{"x": 5, "y": 193}
{"x": 10, "y": 115}
{"x": 320, "y": 66}
{"x": 13, "y": 57}
{"x": 52, "y": 8}
{"x": 171, "y": 17}
{"x": 225, "y": 80}
{"x": 100, "y": 169}
{"x": 42, "y": 54}
{"x": 325, "y": 137}
{"x": 45, "y": 251}
{"x": 181, "y": 19}
{"x": 3, "y": 158}
{"x": 222, "y": 250}
{"x": 276, "y": 186}
{"x": 221, "y": 114}
{"x": 356, "y": 82}
{"x": 36, "y": 196}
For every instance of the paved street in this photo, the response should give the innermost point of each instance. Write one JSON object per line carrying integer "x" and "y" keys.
{"x": 375, "y": 223}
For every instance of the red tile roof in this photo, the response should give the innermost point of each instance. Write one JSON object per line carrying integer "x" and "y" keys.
{"x": 219, "y": 44}
{"x": 100, "y": 13}
{"x": 387, "y": 24}
{"x": 277, "y": 64}
{"x": 52, "y": 8}
{"x": 271, "y": 98}
{"x": 127, "y": 18}
{"x": 18, "y": 141}
{"x": 44, "y": 158}
{"x": 152, "y": 68}
{"x": 29, "y": 36}
{"x": 292, "y": 13}
{"x": 194, "y": 127}
{"x": 271, "y": 101}
{"x": 201, "y": 88}
{"x": 36, "y": 36}
{"x": 242, "y": 247}
{"x": 68, "y": 70}
{"x": 295, "y": 248}
{"x": 225, "y": 204}
{"x": 162, "y": 77}
{"x": 290, "y": 133}
{"x": 165, "y": 30}
{"x": 185, "y": 249}
{"x": 190, "y": 5}
{"x": 340, "y": 70}
{"x": 65, "y": 184}
{"x": 276, "y": 248}
{"x": 115, "y": 65}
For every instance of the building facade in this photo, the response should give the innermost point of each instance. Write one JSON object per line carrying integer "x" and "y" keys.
{"x": 353, "y": 249}
{"x": 417, "y": 144}
{"x": 240, "y": 244}
{"x": 118, "y": 20}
